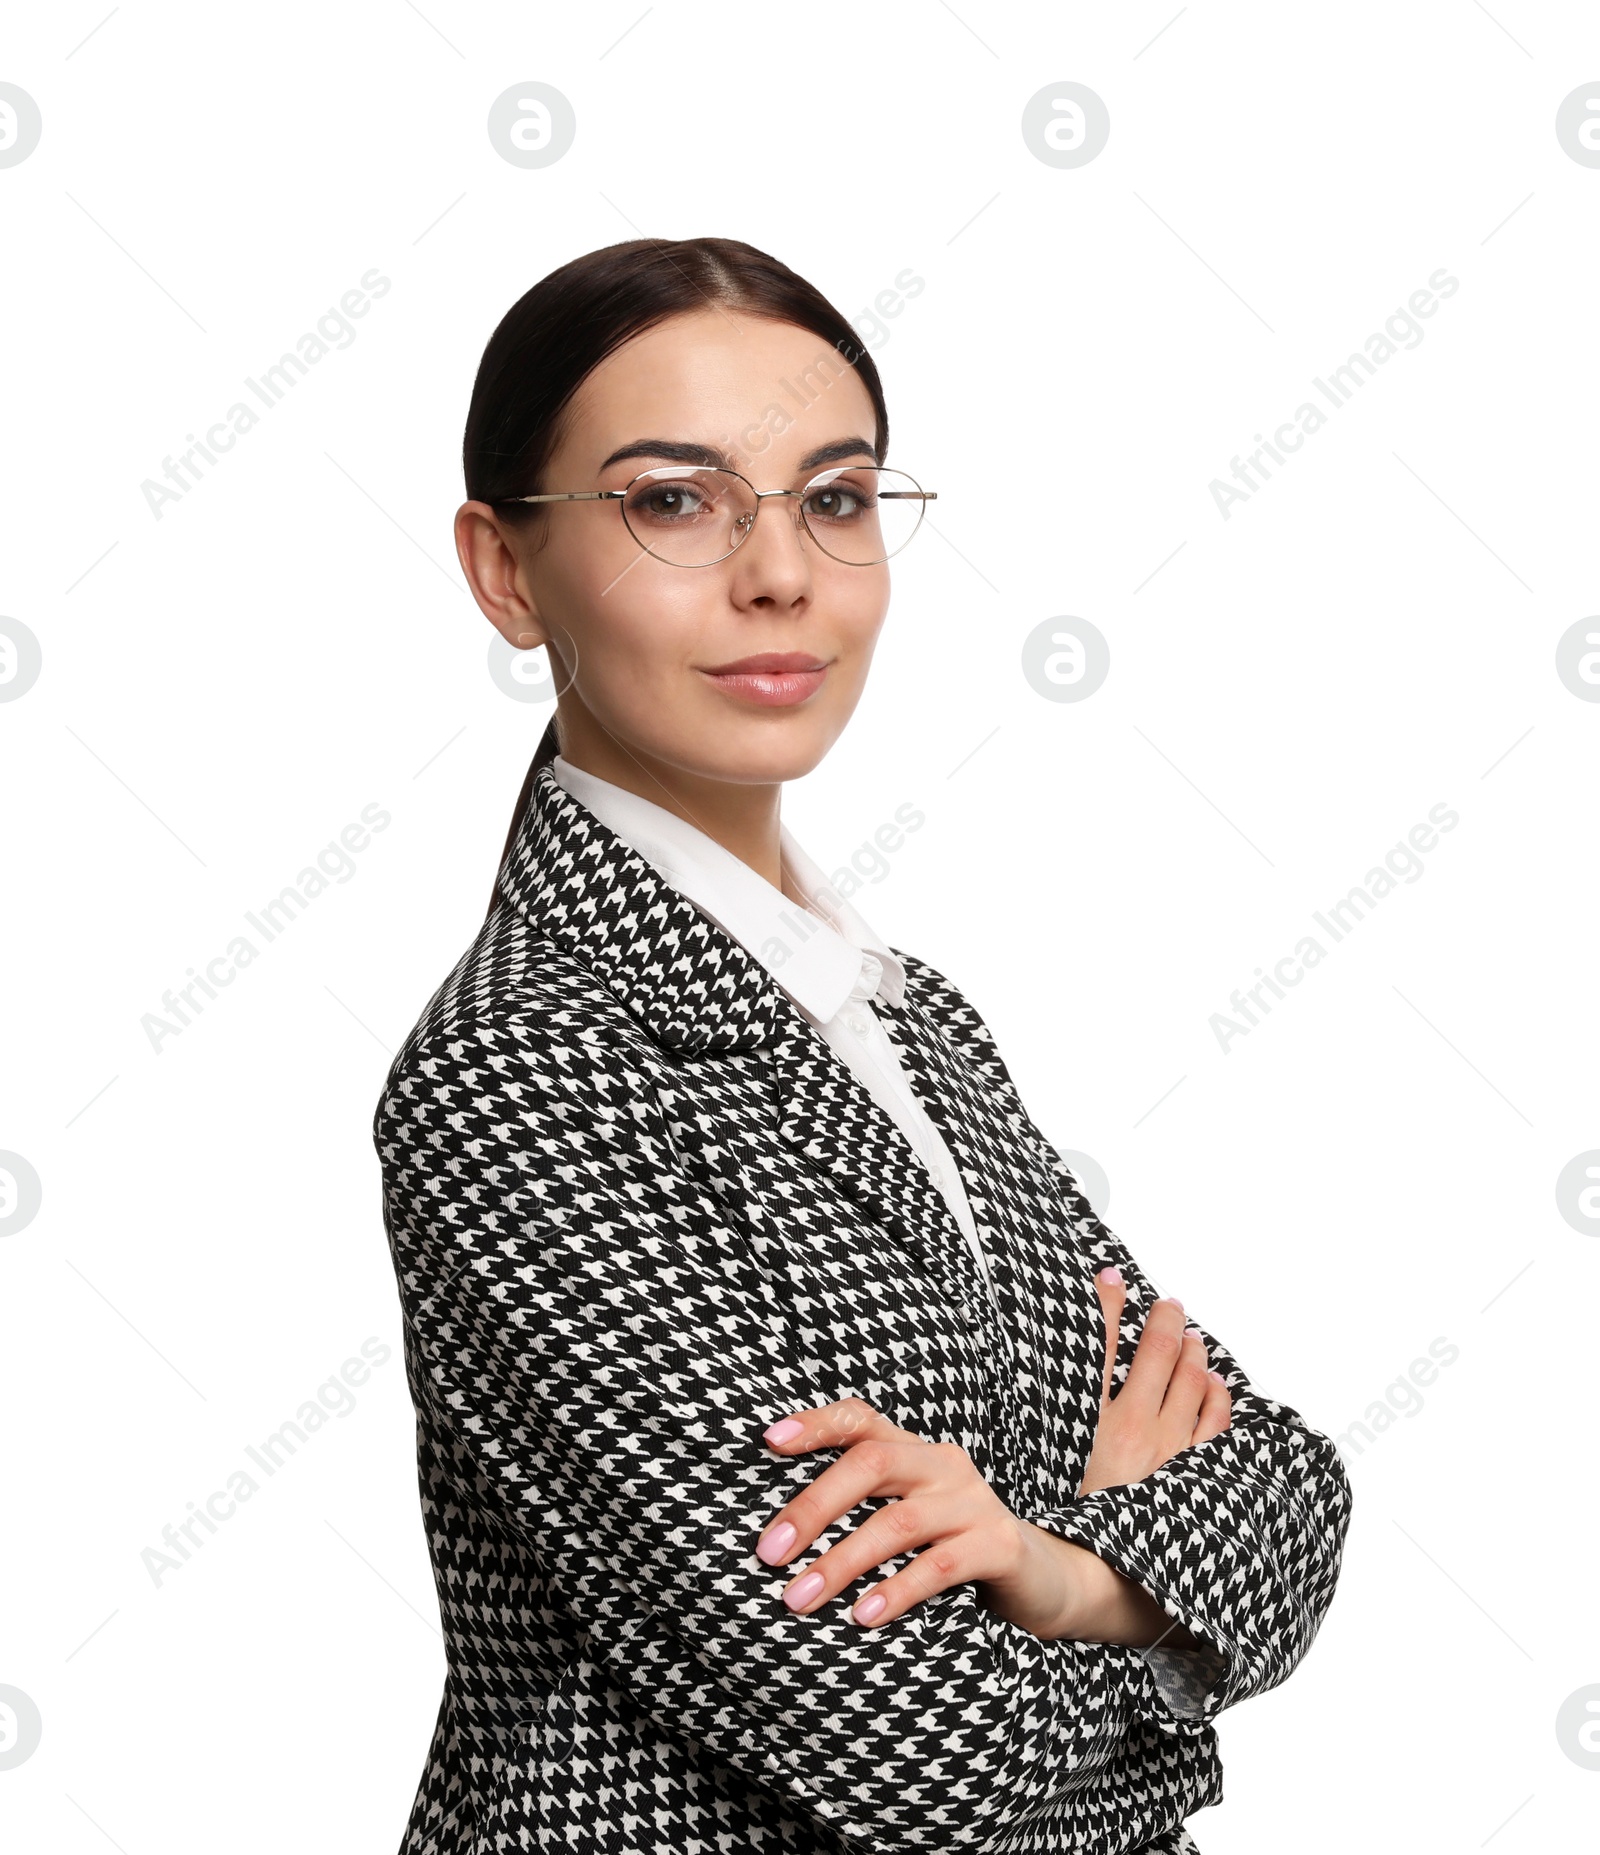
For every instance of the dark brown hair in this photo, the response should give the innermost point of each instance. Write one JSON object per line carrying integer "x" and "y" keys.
{"x": 552, "y": 338}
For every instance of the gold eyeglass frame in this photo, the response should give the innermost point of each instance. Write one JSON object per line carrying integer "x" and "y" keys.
{"x": 747, "y": 523}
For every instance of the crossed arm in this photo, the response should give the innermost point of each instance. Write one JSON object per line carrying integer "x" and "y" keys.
{"x": 1047, "y": 1585}
{"x": 1238, "y": 1537}
{"x": 569, "y": 1316}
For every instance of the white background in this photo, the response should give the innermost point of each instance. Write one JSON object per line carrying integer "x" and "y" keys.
{"x": 1372, "y": 633}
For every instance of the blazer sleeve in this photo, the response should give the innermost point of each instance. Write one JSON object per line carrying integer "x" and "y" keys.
{"x": 573, "y": 1320}
{"x": 1239, "y": 1538}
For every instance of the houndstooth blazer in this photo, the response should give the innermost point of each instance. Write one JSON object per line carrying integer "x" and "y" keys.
{"x": 638, "y": 1210}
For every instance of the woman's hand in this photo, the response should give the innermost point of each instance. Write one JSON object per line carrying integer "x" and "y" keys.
{"x": 1168, "y": 1400}
{"x": 1024, "y": 1574}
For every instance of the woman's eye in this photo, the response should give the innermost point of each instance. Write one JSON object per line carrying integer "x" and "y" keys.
{"x": 837, "y": 503}
{"x": 668, "y": 502}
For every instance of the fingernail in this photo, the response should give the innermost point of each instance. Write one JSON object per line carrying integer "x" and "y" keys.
{"x": 869, "y": 1607}
{"x": 1218, "y": 1377}
{"x": 772, "y": 1546}
{"x": 782, "y": 1432}
{"x": 798, "y": 1596}
{"x": 1111, "y": 1275}
{"x": 1176, "y": 1302}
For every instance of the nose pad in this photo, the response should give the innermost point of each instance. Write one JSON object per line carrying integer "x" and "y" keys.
{"x": 745, "y": 521}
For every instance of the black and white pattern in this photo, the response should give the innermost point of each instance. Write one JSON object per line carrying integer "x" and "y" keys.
{"x": 639, "y": 1210}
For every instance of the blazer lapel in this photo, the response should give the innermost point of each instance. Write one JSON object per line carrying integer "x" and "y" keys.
{"x": 699, "y": 993}
{"x": 955, "y": 1104}
{"x": 588, "y": 892}
{"x": 837, "y": 1128}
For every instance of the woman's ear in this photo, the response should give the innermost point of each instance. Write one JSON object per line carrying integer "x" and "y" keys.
{"x": 494, "y": 573}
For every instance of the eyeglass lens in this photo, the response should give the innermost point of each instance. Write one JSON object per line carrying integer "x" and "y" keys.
{"x": 693, "y": 515}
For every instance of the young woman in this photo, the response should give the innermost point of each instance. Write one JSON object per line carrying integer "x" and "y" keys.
{"x": 805, "y": 1466}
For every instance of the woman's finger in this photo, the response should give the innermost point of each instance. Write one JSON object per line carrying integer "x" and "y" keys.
{"x": 897, "y": 1528}
{"x": 938, "y": 1569}
{"x": 878, "y": 1465}
{"x": 1216, "y": 1412}
{"x": 848, "y": 1425}
{"x": 1113, "y": 1294}
{"x": 1155, "y": 1357}
{"x": 829, "y": 1426}
{"x": 968, "y": 1533}
{"x": 1186, "y": 1390}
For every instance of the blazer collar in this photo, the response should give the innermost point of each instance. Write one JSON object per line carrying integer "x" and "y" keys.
{"x": 698, "y": 992}
{"x": 818, "y": 959}
{"x": 585, "y": 888}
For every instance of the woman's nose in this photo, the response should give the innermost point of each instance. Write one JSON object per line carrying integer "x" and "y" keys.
{"x": 775, "y": 531}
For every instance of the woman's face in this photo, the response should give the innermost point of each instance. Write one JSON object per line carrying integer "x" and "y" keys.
{"x": 637, "y": 643}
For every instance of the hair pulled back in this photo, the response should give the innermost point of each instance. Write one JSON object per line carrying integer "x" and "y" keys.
{"x": 552, "y": 338}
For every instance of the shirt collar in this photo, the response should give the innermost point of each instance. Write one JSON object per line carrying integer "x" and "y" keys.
{"x": 819, "y": 963}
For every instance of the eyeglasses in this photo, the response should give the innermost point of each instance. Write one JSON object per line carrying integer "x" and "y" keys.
{"x": 696, "y": 515}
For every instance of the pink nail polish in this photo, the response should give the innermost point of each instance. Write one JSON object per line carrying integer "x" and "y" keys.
{"x": 1111, "y": 1275}
{"x": 782, "y": 1432}
{"x": 798, "y": 1596}
{"x": 869, "y": 1607}
{"x": 772, "y": 1546}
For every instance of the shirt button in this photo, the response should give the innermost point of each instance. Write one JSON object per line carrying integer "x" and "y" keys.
{"x": 857, "y": 1023}
{"x": 936, "y": 1173}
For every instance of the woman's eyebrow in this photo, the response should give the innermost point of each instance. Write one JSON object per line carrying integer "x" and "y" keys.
{"x": 839, "y": 452}
{"x": 675, "y": 451}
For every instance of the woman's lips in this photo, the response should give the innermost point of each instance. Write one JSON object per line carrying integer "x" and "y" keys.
{"x": 769, "y": 688}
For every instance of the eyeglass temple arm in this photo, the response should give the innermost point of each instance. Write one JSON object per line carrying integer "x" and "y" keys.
{"x": 568, "y": 496}
{"x": 609, "y": 495}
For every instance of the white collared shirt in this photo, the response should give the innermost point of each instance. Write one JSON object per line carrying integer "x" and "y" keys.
{"x": 824, "y": 955}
